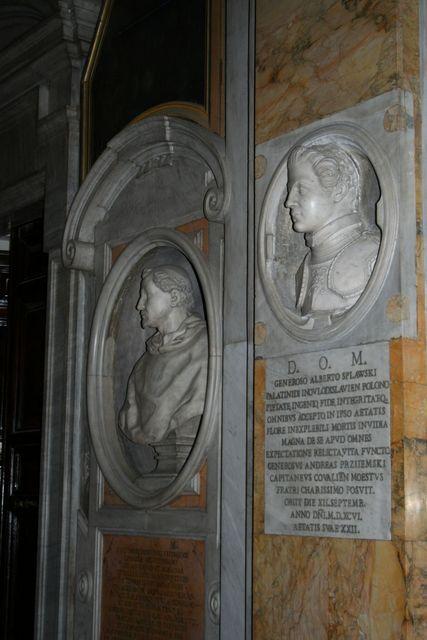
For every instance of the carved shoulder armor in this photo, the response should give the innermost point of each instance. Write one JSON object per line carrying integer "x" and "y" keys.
{"x": 352, "y": 267}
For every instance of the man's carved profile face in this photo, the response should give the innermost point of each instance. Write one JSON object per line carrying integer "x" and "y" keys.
{"x": 166, "y": 297}
{"x": 327, "y": 182}
{"x": 154, "y": 304}
{"x": 310, "y": 204}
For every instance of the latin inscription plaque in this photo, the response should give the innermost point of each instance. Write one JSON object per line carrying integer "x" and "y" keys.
{"x": 152, "y": 588}
{"x": 327, "y": 443}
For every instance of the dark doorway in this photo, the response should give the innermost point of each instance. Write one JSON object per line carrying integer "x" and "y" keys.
{"x": 22, "y": 346}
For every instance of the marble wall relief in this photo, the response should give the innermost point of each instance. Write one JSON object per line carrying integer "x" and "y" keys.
{"x": 166, "y": 389}
{"x": 154, "y": 368}
{"x": 327, "y": 232}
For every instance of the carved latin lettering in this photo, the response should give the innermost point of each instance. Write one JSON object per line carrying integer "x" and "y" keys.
{"x": 320, "y": 446}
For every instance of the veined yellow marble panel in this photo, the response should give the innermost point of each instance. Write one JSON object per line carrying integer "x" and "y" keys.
{"x": 316, "y": 57}
{"x": 415, "y": 494}
{"x": 316, "y": 588}
{"x": 416, "y": 584}
{"x": 308, "y": 588}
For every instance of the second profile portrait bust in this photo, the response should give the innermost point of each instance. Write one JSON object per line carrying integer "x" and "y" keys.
{"x": 154, "y": 369}
{"x": 166, "y": 389}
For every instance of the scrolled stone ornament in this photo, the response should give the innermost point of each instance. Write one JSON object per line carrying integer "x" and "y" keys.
{"x": 214, "y": 600}
{"x": 70, "y": 252}
{"x": 213, "y": 203}
{"x": 79, "y": 255}
{"x": 84, "y": 586}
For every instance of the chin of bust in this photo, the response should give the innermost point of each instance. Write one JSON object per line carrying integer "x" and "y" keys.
{"x": 133, "y": 434}
{"x": 137, "y": 437}
{"x": 142, "y": 437}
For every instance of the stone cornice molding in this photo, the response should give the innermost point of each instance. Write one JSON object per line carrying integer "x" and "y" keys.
{"x": 16, "y": 111}
{"x": 20, "y": 194}
{"x": 44, "y": 70}
{"x": 30, "y": 47}
{"x": 56, "y": 122}
{"x": 138, "y": 149}
{"x": 79, "y": 18}
{"x": 74, "y": 26}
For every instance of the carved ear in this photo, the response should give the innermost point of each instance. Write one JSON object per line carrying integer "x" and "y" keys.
{"x": 340, "y": 191}
{"x": 175, "y": 297}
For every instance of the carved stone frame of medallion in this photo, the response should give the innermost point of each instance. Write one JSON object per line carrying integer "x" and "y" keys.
{"x": 387, "y": 220}
{"x": 102, "y": 419}
{"x": 141, "y": 148}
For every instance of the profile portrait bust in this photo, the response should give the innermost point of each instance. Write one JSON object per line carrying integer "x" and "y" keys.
{"x": 332, "y": 193}
{"x": 166, "y": 389}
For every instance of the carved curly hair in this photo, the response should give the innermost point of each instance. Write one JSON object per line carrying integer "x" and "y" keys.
{"x": 173, "y": 278}
{"x": 336, "y": 166}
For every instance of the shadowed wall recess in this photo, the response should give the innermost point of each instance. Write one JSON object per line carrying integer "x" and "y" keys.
{"x": 146, "y": 54}
{"x": 22, "y": 409}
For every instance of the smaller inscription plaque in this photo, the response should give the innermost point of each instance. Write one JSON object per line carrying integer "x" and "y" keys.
{"x": 327, "y": 443}
{"x": 152, "y": 588}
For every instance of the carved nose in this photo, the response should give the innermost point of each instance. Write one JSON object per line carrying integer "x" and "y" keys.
{"x": 289, "y": 202}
